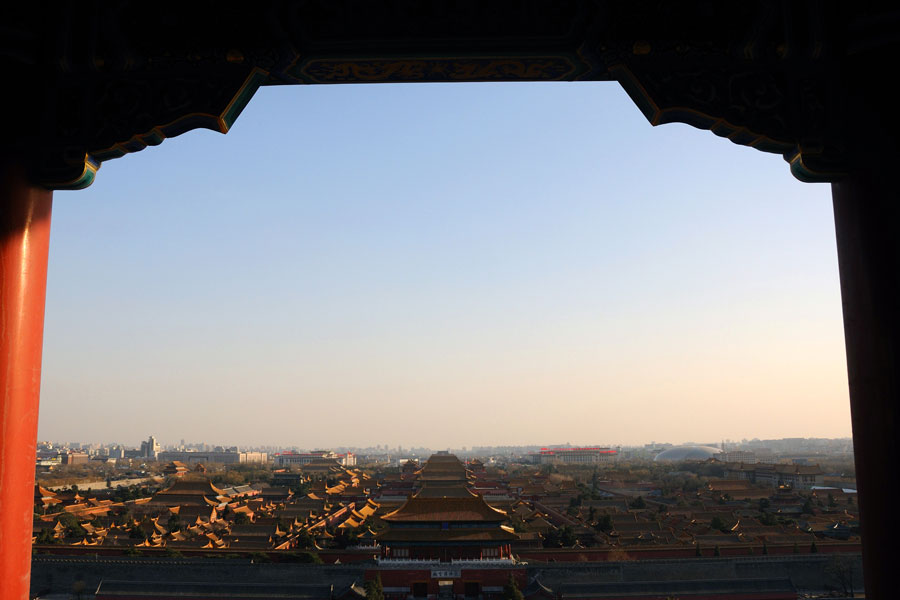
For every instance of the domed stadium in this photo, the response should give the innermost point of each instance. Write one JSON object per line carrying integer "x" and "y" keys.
{"x": 687, "y": 453}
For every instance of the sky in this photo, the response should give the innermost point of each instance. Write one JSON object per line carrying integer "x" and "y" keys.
{"x": 444, "y": 265}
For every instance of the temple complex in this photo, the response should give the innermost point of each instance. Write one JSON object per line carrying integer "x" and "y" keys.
{"x": 445, "y": 528}
{"x": 806, "y": 80}
{"x": 445, "y": 539}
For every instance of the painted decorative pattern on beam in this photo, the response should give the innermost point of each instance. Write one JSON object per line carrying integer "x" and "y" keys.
{"x": 435, "y": 69}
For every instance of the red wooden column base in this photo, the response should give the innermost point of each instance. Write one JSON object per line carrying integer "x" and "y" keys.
{"x": 24, "y": 242}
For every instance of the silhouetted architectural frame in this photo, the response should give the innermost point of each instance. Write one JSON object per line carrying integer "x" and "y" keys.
{"x": 91, "y": 81}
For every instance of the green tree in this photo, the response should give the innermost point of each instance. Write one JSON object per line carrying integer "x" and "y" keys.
{"x": 717, "y": 552}
{"x": 174, "y": 523}
{"x": 45, "y": 536}
{"x": 639, "y": 503}
{"x": 511, "y": 590}
{"x": 304, "y": 540}
{"x": 841, "y": 570}
{"x": 768, "y": 519}
{"x": 813, "y": 549}
{"x": 551, "y": 539}
{"x": 718, "y": 523}
{"x": 765, "y": 548}
{"x": 807, "y": 507}
{"x": 567, "y": 536}
{"x": 374, "y": 589}
{"x": 604, "y": 524}
{"x": 73, "y": 527}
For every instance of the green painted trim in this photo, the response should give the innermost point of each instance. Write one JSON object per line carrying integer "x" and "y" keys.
{"x": 233, "y": 110}
{"x": 86, "y": 178}
{"x": 695, "y": 118}
{"x": 155, "y": 136}
{"x": 802, "y": 171}
{"x": 298, "y": 70}
{"x": 636, "y": 92}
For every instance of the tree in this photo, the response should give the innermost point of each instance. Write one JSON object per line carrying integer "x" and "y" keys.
{"x": 45, "y": 536}
{"x": 717, "y": 552}
{"x": 604, "y": 524}
{"x": 567, "y": 536}
{"x": 718, "y": 523}
{"x": 764, "y": 504}
{"x": 73, "y": 527}
{"x": 511, "y": 590}
{"x": 807, "y": 507}
{"x": 840, "y": 569}
{"x": 813, "y": 549}
{"x": 374, "y": 589}
{"x": 241, "y": 518}
{"x": 174, "y": 523}
{"x": 639, "y": 503}
{"x": 304, "y": 540}
{"x": 768, "y": 519}
{"x": 551, "y": 539}
{"x": 345, "y": 537}
{"x": 765, "y": 549}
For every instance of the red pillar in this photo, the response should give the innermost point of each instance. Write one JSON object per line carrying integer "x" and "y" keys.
{"x": 24, "y": 242}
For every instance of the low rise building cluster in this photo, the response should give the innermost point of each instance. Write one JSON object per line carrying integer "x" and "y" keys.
{"x": 350, "y": 513}
{"x": 447, "y": 527}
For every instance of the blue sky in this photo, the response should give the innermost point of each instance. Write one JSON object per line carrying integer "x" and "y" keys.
{"x": 444, "y": 265}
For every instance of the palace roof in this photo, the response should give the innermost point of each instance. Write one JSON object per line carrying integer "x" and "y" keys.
{"x": 474, "y": 534}
{"x": 473, "y": 508}
{"x": 192, "y": 487}
{"x": 445, "y": 491}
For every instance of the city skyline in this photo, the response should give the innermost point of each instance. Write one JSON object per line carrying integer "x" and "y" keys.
{"x": 475, "y": 264}
{"x": 205, "y": 446}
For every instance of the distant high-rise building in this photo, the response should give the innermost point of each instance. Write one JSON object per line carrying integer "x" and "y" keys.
{"x": 150, "y": 448}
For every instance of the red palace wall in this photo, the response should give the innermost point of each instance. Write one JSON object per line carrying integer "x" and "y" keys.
{"x": 408, "y": 577}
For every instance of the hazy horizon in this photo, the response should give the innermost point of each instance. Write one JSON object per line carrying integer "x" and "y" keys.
{"x": 467, "y": 448}
{"x": 450, "y": 265}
